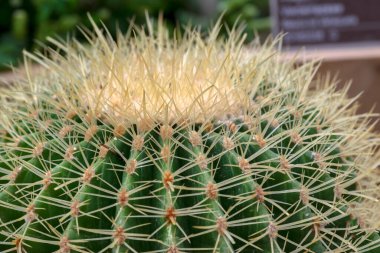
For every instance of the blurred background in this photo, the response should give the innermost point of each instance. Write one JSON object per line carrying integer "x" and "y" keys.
{"x": 25, "y": 24}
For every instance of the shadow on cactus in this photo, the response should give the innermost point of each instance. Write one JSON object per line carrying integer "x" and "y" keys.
{"x": 185, "y": 144}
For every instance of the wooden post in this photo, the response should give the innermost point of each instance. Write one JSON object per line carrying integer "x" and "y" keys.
{"x": 361, "y": 65}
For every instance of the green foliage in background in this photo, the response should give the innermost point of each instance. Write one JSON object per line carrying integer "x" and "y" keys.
{"x": 254, "y": 13}
{"x": 27, "y": 23}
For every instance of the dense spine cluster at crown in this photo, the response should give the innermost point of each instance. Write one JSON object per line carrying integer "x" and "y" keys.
{"x": 88, "y": 164}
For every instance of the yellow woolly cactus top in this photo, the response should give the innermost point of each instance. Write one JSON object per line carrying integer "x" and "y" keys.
{"x": 151, "y": 77}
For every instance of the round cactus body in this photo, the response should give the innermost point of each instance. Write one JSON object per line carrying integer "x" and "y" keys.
{"x": 190, "y": 144}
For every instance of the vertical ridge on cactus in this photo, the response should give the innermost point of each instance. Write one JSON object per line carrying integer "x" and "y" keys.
{"x": 185, "y": 144}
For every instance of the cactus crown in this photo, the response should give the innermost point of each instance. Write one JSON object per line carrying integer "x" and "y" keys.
{"x": 151, "y": 143}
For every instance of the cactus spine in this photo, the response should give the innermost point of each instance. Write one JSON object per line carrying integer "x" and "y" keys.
{"x": 191, "y": 144}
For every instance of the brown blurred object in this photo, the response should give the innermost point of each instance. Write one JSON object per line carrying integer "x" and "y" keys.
{"x": 361, "y": 65}
{"x": 7, "y": 77}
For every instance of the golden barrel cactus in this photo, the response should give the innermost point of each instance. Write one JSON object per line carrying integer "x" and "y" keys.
{"x": 191, "y": 143}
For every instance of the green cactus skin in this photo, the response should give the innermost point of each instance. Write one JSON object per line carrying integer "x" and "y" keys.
{"x": 281, "y": 175}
